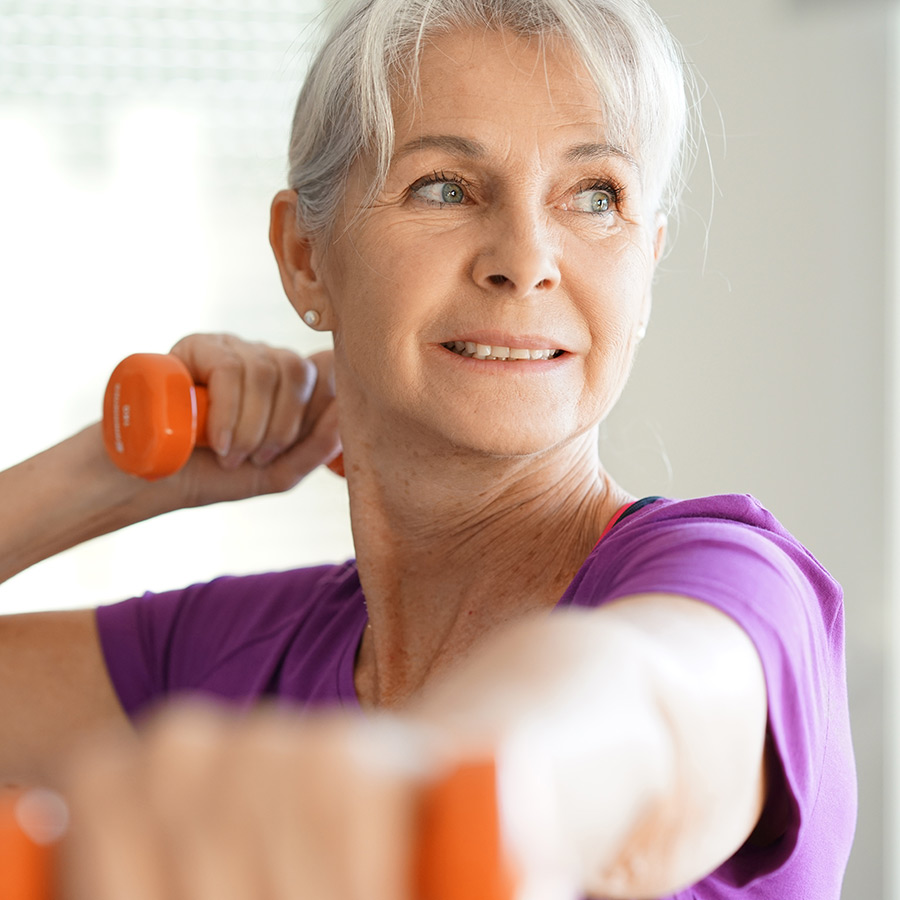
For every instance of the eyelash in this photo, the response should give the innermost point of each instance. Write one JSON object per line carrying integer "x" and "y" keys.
{"x": 614, "y": 188}
{"x": 437, "y": 178}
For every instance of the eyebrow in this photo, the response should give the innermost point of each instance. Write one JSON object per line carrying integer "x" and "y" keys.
{"x": 591, "y": 151}
{"x": 460, "y": 146}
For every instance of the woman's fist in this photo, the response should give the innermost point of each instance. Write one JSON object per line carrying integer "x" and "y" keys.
{"x": 209, "y": 806}
{"x": 272, "y": 417}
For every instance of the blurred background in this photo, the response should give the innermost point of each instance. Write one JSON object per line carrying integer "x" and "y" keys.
{"x": 141, "y": 142}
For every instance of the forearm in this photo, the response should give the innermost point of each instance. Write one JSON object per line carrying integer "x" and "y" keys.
{"x": 647, "y": 770}
{"x": 584, "y": 754}
{"x": 67, "y": 495}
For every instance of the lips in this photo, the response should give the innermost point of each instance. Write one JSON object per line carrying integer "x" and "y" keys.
{"x": 475, "y": 350}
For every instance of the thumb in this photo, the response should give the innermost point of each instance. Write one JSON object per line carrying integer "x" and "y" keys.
{"x": 320, "y": 446}
{"x": 323, "y": 393}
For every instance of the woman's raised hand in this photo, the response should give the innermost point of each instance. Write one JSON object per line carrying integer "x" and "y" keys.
{"x": 272, "y": 418}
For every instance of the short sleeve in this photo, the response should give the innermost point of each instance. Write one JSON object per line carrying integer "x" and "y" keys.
{"x": 730, "y": 553}
{"x": 237, "y": 639}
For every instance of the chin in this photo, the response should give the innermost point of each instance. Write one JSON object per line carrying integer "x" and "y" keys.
{"x": 511, "y": 441}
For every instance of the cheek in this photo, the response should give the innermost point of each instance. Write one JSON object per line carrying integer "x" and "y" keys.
{"x": 613, "y": 282}
{"x": 410, "y": 252}
{"x": 613, "y": 279}
{"x": 363, "y": 286}
{"x": 379, "y": 293}
{"x": 390, "y": 275}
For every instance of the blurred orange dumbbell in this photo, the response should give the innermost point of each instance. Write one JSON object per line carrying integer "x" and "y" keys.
{"x": 460, "y": 855}
{"x": 31, "y": 823}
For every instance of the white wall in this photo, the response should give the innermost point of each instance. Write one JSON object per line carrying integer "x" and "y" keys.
{"x": 140, "y": 143}
{"x": 764, "y": 370}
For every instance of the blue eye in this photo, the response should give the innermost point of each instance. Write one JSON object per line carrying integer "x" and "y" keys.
{"x": 594, "y": 200}
{"x": 451, "y": 193}
{"x": 447, "y": 193}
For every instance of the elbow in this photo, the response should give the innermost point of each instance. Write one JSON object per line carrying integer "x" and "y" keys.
{"x": 643, "y": 861}
{"x": 699, "y": 757}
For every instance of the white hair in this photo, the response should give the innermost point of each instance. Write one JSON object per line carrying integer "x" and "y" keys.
{"x": 344, "y": 108}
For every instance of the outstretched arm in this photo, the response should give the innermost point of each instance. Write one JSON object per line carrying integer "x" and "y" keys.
{"x": 648, "y": 718}
{"x": 629, "y": 742}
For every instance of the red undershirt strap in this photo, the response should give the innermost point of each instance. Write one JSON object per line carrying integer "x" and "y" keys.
{"x": 623, "y": 511}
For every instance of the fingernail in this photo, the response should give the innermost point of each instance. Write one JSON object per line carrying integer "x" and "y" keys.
{"x": 222, "y": 443}
{"x": 233, "y": 460}
{"x": 265, "y": 455}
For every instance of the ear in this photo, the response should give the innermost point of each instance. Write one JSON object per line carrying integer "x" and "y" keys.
{"x": 661, "y": 224}
{"x": 299, "y": 261}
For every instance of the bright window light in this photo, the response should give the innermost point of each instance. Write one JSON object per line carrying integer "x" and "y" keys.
{"x": 140, "y": 144}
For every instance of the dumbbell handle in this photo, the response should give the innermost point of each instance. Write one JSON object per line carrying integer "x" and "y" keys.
{"x": 460, "y": 855}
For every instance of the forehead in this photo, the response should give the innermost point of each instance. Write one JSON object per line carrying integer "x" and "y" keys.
{"x": 502, "y": 87}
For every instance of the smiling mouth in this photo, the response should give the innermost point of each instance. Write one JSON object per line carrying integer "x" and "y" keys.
{"x": 487, "y": 351}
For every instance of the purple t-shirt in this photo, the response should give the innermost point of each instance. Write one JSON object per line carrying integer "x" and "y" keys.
{"x": 295, "y": 635}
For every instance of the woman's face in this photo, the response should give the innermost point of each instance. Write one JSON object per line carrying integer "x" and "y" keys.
{"x": 507, "y": 222}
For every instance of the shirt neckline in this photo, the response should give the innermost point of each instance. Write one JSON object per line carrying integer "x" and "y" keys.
{"x": 347, "y": 669}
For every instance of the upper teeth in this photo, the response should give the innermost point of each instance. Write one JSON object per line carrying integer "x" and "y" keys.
{"x": 488, "y": 351}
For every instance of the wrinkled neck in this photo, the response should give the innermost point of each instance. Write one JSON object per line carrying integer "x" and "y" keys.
{"x": 450, "y": 547}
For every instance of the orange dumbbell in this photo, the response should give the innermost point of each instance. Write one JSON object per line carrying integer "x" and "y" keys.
{"x": 31, "y": 823}
{"x": 460, "y": 853}
{"x": 154, "y": 415}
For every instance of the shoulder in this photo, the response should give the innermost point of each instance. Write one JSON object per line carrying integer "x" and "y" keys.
{"x": 736, "y": 515}
{"x": 238, "y": 637}
{"x": 291, "y": 594}
{"x": 710, "y": 548}
{"x": 293, "y": 590}
{"x": 729, "y": 551}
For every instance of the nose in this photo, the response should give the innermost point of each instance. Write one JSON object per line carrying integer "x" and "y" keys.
{"x": 519, "y": 255}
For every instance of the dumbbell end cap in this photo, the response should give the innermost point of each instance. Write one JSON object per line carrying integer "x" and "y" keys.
{"x": 150, "y": 415}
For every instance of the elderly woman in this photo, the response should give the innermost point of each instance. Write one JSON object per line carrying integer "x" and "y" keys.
{"x": 477, "y": 207}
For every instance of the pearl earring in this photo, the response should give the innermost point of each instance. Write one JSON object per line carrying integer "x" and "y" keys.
{"x": 311, "y": 317}
{"x": 641, "y": 332}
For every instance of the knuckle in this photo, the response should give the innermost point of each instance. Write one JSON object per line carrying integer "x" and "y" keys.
{"x": 297, "y": 369}
{"x": 185, "y": 733}
{"x": 229, "y": 360}
{"x": 185, "y": 347}
{"x": 272, "y": 735}
{"x": 285, "y": 427}
{"x": 199, "y": 337}
{"x": 181, "y": 342}
{"x": 264, "y": 371}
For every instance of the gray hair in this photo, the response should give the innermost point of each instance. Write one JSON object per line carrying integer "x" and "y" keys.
{"x": 344, "y": 108}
